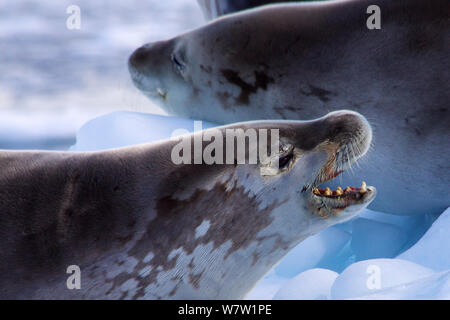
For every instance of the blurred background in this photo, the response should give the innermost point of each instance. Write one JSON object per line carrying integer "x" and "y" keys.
{"x": 53, "y": 79}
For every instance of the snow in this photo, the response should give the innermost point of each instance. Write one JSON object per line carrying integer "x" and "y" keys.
{"x": 433, "y": 250}
{"x": 267, "y": 288}
{"x": 434, "y": 287}
{"x": 314, "y": 284}
{"x": 341, "y": 262}
{"x": 360, "y": 279}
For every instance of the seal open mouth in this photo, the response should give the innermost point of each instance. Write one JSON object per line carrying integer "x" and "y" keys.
{"x": 343, "y": 151}
{"x": 332, "y": 202}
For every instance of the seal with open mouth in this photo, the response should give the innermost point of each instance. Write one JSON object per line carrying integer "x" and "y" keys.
{"x": 140, "y": 226}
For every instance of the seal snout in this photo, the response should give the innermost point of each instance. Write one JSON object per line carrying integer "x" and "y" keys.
{"x": 147, "y": 56}
{"x": 139, "y": 57}
{"x": 351, "y": 129}
{"x": 145, "y": 65}
{"x": 348, "y": 138}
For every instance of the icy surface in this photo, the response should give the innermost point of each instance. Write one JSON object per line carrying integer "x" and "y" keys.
{"x": 267, "y": 288}
{"x": 434, "y": 287}
{"x": 433, "y": 250}
{"x": 359, "y": 279}
{"x": 314, "y": 284}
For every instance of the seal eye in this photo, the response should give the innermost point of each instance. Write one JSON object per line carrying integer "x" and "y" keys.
{"x": 178, "y": 64}
{"x": 284, "y": 161}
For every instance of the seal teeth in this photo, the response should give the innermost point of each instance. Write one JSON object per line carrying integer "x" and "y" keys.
{"x": 363, "y": 188}
{"x": 339, "y": 192}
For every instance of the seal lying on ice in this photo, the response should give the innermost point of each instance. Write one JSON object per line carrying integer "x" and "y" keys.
{"x": 140, "y": 226}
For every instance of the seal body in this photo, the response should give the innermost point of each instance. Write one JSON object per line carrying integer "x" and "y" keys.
{"x": 139, "y": 226}
{"x": 299, "y": 61}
